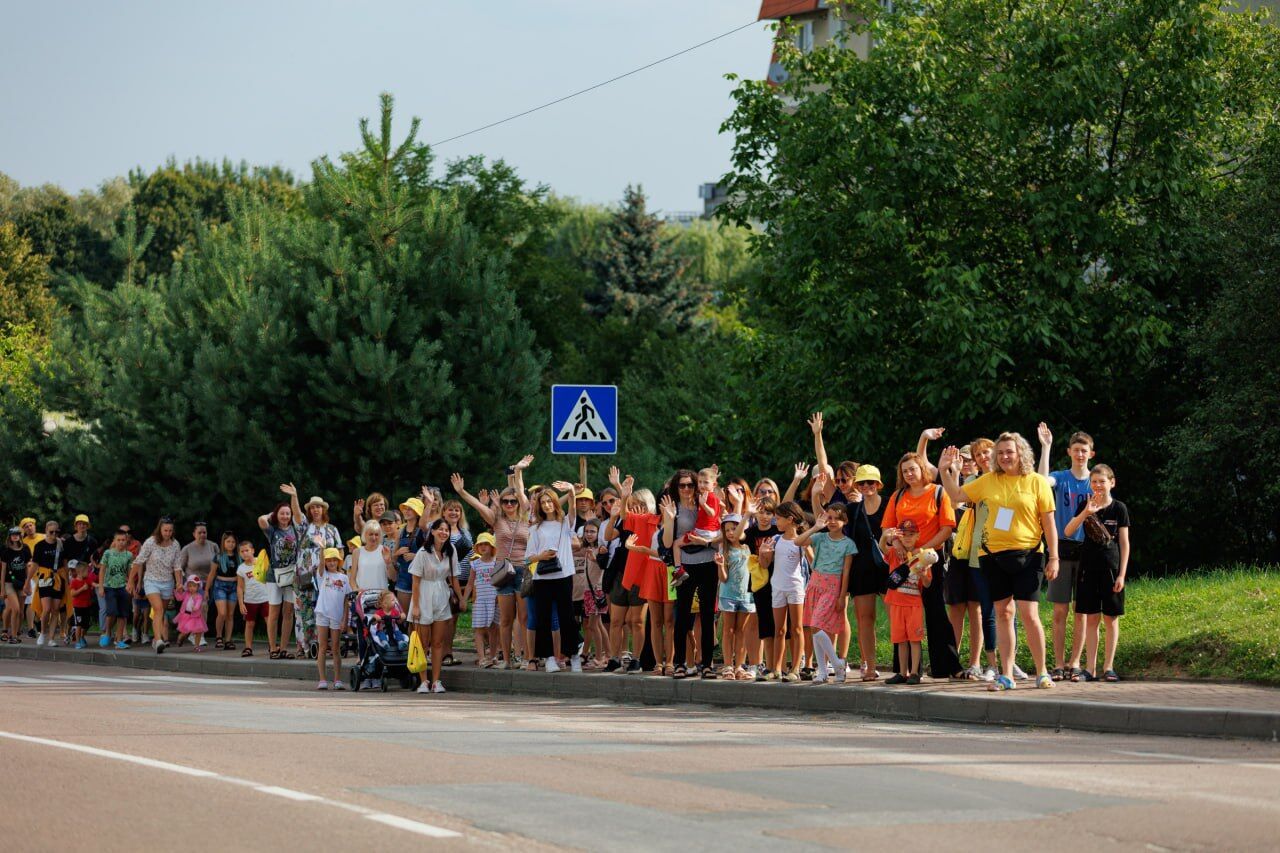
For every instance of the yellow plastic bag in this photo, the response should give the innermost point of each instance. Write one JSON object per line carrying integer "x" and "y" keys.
{"x": 759, "y": 574}
{"x": 260, "y": 565}
{"x": 963, "y": 543}
{"x": 417, "y": 661}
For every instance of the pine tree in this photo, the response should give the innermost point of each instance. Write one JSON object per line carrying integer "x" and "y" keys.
{"x": 363, "y": 342}
{"x": 639, "y": 277}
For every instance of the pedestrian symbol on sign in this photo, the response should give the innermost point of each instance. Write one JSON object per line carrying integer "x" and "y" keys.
{"x": 584, "y": 419}
{"x": 584, "y": 423}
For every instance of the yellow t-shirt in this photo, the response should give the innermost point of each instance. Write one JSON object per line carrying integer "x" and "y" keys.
{"x": 1014, "y": 505}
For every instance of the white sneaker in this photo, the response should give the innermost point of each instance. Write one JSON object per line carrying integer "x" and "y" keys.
{"x": 133, "y": 635}
{"x": 323, "y": 685}
{"x": 339, "y": 685}
{"x": 842, "y": 671}
{"x": 975, "y": 671}
{"x": 146, "y": 638}
{"x": 368, "y": 684}
{"x": 51, "y": 642}
{"x": 1019, "y": 674}
{"x": 552, "y": 666}
{"x": 203, "y": 642}
{"x": 821, "y": 674}
{"x": 424, "y": 687}
{"x": 438, "y": 687}
{"x": 40, "y": 639}
{"x": 575, "y": 663}
{"x": 989, "y": 674}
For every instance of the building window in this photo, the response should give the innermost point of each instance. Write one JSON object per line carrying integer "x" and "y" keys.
{"x": 803, "y": 36}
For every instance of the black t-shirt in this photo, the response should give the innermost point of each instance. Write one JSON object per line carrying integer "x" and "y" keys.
{"x": 1111, "y": 517}
{"x": 45, "y": 552}
{"x": 755, "y": 535}
{"x": 15, "y": 562}
{"x": 82, "y": 551}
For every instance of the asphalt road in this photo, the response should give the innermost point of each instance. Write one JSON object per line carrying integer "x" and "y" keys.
{"x": 96, "y": 758}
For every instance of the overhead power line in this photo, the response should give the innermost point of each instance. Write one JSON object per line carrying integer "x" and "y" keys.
{"x": 604, "y": 83}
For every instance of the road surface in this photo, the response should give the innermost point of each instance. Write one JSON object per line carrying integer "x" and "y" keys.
{"x": 97, "y": 758}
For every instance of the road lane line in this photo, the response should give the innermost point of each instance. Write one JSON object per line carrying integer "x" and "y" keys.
{"x": 391, "y": 820}
{"x": 1173, "y": 756}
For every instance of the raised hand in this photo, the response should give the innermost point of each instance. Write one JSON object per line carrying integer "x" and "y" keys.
{"x": 459, "y": 484}
{"x": 1045, "y": 434}
{"x": 615, "y": 477}
{"x": 949, "y": 458}
{"x": 525, "y": 462}
{"x": 562, "y": 486}
{"x": 934, "y": 433}
{"x": 359, "y": 506}
{"x": 1093, "y": 505}
{"x": 667, "y": 506}
{"x": 815, "y": 423}
{"x": 289, "y": 489}
{"x": 628, "y": 485}
{"x": 801, "y": 469}
{"x": 483, "y": 497}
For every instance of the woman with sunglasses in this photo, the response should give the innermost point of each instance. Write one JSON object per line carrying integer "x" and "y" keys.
{"x": 286, "y": 533}
{"x": 697, "y": 559}
{"x": 510, "y": 526}
{"x": 14, "y": 559}
{"x": 550, "y": 553}
{"x": 320, "y": 536}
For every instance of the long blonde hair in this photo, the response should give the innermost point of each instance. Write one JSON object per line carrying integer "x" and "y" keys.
{"x": 1026, "y": 458}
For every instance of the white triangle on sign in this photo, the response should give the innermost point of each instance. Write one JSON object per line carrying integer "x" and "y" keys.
{"x": 584, "y": 423}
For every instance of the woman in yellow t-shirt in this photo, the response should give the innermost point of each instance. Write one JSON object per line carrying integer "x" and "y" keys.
{"x": 1019, "y": 514}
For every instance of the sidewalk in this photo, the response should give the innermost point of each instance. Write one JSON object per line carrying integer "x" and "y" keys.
{"x": 1137, "y": 707}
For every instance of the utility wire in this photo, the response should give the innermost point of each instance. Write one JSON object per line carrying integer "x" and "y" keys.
{"x": 610, "y": 80}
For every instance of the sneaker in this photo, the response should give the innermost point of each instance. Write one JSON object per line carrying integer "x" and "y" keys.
{"x": 913, "y": 678}
{"x": 819, "y": 678}
{"x": 842, "y": 671}
{"x": 104, "y": 641}
{"x": 203, "y": 642}
{"x": 1002, "y": 682}
{"x": 821, "y": 673}
{"x": 1044, "y": 681}
{"x": 989, "y": 674}
{"x": 31, "y": 633}
{"x": 424, "y": 687}
{"x": 370, "y": 684}
{"x": 790, "y": 676}
{"x": 122, "y": 646}
{"x": 81, "y": 644}
{"x": 896, "y": 678}
{"x": 322, "y": 685}
{"x": 40, "y": 639}
{"x": 975, "y": 672}
{"x": 438, "y": 687}
{"x": 133, "y": 635}
{"x": 160, "y": 646}
{"x": 146, "y": 638}
{"x": 1019, "y": 674}
{"x": 770, "y": 675}
{"x": 633, "y": 667}
{"x": 575, "y": 663}
{"x": 613, "y": 665}
{"x": 552, "y": 665}
{"x": 679, "y": 578}
{"x": 339, "y": 685}
{"x": 51, "y": 642}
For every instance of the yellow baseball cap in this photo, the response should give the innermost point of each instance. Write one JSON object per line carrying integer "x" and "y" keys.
{"x": 332, "y": 554}
{"x": 585, "y": 494}
{"x": 867, "y": 473}
{"x": 414, "y": 504}
{"x": 26, "y": 521}
{"x": 82, "y": 517}
{"x": 486, "y": 539}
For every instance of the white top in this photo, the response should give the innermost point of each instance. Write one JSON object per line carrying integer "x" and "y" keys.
{"x": 331, "y": 601}
{"x": 371, "y": 569}
{"x": 255, "y": 592}
{"x": 787, "y": 574}
{"x": 433, "y": 587}
{"x": 548, "y": 535}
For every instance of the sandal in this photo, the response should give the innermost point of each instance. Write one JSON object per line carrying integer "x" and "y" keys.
{"x": 229, "y": 646}
{"x": 1082, "y": 675}
{"x": 286, "y": 655}
{"x": 871, "y": 675}
{"x": 680, "y": 672}
{"x": 729, "y": 673}
{"x": 275, "y": 654}
{"x": 247, "y": 653}
{"x": 709, "y": 674}
{"x": 1110, "y": 675}
{"x": 962, "y": 675}
{"x": 219, "y": 644}
{"x": 1058, "y": 674}
{"x": 1073, "y": 674}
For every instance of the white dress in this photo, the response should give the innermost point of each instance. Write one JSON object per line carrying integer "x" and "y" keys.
{"x": 433, "y": 588}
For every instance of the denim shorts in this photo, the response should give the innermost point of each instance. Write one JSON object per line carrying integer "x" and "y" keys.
{"x": 513, "y": 586}
{"x": 224, "y": 591}
{"x": 728, "y": 606}
{"x": 404, "y": 580}
{"x": 164, "y": 589}
{"x": 117, "y": 602}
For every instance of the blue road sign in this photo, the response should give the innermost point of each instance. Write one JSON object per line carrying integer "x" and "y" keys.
{"x": 584, "y": 419}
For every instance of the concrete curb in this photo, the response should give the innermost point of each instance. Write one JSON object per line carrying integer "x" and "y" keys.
{"x": 876, "y": 701}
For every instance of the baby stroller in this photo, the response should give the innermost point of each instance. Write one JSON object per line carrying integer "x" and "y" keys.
{"x": 381, "y": 656}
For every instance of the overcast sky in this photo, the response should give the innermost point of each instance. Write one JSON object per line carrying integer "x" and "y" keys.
{"x": 92, "y": 89}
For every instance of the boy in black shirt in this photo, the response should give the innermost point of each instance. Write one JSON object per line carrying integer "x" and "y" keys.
{"x": 1104, "y": 562}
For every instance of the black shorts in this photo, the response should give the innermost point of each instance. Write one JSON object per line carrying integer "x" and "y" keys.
{"x": 764, "y": 610}
{"x": 1095, "y": 582}
{"x": 1013, "y": 574}
{"x": 865, "y": 579}
{"x": 50, "y": 592}
{"x": 957, "y": 586}
{"x": 82, "y": 617}
{"x": 622, "y": 597}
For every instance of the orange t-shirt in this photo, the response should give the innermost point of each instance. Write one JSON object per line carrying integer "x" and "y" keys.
{"x": 924, "y": 510}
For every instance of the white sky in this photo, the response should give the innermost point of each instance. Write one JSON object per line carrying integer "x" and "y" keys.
{"x": 92, "y": 89}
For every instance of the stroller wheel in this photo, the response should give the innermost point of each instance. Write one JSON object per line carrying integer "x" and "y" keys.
{"x": 384, "y": 684}
{"x": 313, "y": 651}
{"x": 355, "y": 678}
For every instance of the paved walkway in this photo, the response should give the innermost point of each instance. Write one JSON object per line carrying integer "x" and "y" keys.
{"x": 1133, "y": 707}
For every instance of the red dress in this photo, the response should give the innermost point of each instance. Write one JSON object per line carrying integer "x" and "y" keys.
{"x": 643, "y": 573}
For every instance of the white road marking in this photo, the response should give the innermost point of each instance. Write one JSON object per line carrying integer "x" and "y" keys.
{"x": 300, "y": 796}
{"x": 186, "y": 679}
{"x": 18, "y": 679}
{"x": 135, "y": 680}
{"x": 1172, "y": 756}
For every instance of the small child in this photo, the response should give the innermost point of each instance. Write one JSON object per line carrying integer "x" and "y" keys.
{"x": 910, "y": 570}
{"x": 736, "y": 601}
{"x": 81, "y": 588}
{"x": 480, "y": 591}
{"x": 825, "y": 594}
{"x": 190, "y": 621}
{"x": 1104, "y": 562}
{"x": 586, "y": 555}
{"x": 252, "y": 595}
{"x": 707, "y": 524}
{"x": 386, "y": 625}
{"x": 333, "y": 587}
{"x": 116, "y": 562}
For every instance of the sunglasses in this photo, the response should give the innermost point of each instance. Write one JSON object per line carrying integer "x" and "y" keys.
{"x": 840, "y": 479}
{"x": 166, "y": 519}
{"x": 867, "y": 483}
{"x": 686, "y": 485}
{"x": 509, "y": 501}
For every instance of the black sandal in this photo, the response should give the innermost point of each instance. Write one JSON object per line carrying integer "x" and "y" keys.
{"x": 1057, "y": 674}
{"x": 219, "y": 644}
{"x": 275, "y": 655}
{"x": 247, "y": 653}
{"x": 709, "y": 673}
{"x": 286, "y": 655}
{"x": 680, "y": 672}
{"x": 229, "y": 646}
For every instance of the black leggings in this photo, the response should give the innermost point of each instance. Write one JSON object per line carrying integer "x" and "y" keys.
{"x": 944, "y": 660}
{"x": 557, "y": 593}
{"x": 703, "y": 578}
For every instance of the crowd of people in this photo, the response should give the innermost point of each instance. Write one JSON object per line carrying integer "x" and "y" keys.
{"x": 630, "y": 581}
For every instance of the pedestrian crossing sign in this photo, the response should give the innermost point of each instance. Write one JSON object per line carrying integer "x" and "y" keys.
{"x": 584, "y": 419}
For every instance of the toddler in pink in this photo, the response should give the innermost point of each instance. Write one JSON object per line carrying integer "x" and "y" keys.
{"x": 190, "y": 620}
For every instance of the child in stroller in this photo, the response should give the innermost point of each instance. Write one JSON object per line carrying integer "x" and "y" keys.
{"x": 381, "y": 641}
